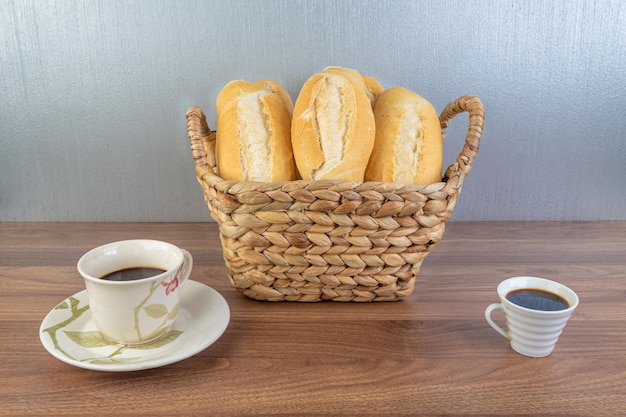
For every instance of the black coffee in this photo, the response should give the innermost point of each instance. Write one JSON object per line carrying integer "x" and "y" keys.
{"x": 132, "y": 274}
{"x": 537, "y": 300}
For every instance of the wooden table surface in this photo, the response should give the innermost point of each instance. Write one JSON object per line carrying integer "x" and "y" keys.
{"x": 432, "y": 353}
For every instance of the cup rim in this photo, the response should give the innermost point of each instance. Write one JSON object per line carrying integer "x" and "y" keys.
{"x": 570, "y": 294}
{"x": 91, "y": 252}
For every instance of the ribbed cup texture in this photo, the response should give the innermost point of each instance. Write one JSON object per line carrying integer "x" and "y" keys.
{"x": 535, "y": 333}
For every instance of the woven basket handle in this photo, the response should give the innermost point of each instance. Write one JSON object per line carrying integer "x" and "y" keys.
{"x": 474, "y": 107}
{"x": 201, "y": 139}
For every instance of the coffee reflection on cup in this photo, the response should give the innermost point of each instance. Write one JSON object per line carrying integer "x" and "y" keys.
{"x": 133, "y": 287}
{"x": 536, "y": 312}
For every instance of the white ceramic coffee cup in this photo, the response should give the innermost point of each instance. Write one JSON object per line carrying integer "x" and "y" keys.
{"x": 532, "y": 332}
{"x": 142, "y": 310}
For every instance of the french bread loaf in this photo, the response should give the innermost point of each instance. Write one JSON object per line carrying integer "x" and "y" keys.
{"x": 333, "y": 126}
{"x": 408, "y": 147}
{"x": 373, "y": 88}
{"x": 253, "y": 141}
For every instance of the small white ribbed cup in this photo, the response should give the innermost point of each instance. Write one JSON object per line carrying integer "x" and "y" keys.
{"x": 531, "y": 332}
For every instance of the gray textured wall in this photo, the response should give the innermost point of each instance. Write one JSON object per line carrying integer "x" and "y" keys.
{"x": 94, "y": 94}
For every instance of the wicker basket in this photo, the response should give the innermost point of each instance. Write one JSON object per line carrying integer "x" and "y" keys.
{"x": 329, "y": 240}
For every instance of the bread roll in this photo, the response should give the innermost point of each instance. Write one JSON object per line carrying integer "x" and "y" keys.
{"x": 253, "y": 140}
{"x": 333, "y": 126}
{"x": 373, "y": 89}
{"x": 409, "y": 145}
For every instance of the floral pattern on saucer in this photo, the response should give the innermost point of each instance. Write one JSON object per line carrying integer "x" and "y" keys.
{"x": 92, "y": 340}
{"x": 70, "y": 335}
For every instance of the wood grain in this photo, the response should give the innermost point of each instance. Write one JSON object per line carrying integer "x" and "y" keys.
{"x": 430, "y": 354}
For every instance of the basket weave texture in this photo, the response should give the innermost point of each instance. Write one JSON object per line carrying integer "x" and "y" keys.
{"x": 330, "y": 240}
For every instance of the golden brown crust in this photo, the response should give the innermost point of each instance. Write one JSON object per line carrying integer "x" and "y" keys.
{"x": 373, "y": 88}
{"x": 409, "y": 144}
{"x": 253, "y": 140}
{"x": 333, "y": 126}
{"x": 237, "y": 88}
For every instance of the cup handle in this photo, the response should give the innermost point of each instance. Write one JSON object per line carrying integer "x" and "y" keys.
{"x": 488, "y": 311}
{"x": 185, "y": 270}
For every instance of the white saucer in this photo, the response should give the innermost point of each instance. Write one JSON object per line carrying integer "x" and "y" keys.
{"x": 70, "y": 335}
